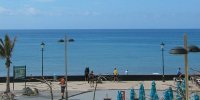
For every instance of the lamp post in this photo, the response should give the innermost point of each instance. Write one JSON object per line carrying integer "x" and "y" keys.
{"x": 66, "y": 40}
{"x": 42, "y": 47}
{"x": 185, "y": 51}
{"x": 163, "y": 68}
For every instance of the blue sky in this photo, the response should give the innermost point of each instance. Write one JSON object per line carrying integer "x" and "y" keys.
{"x": 99, "y": 14}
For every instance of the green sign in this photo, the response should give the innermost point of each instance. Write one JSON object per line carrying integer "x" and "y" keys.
{"x": 19, "y": 72}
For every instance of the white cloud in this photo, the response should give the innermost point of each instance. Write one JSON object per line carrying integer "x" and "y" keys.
{"x": 90, "y": 13}
{"x": 31, "y": 11}
{"x": 2, "y": 9}
{"x": 71, "y": 13}
{"x": 28, "y": 10}
{"x": 21, "y": 11}
{"x": 53, "y": 14}
{"x": 44, "y": 0}
{"x": 5, "y": 11}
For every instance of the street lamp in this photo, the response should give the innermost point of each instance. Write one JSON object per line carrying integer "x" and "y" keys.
{"x": 163, "y": 68}
{"x": 66, "y": 40}
{"x": 42, "y": 47}
{"x": 185, "y": 51}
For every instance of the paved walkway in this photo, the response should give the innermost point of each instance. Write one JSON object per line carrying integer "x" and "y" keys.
{"x": 43, "y": 95}
{"x": 81, "y": 90}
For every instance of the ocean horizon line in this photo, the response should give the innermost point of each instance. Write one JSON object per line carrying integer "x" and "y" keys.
{"x": 107, "y": 29}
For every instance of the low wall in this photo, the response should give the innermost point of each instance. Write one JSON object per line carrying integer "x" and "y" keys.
{"x": 81, "y": 78}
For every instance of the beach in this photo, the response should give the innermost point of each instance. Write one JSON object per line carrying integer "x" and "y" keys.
{"x": 80, "y": 90}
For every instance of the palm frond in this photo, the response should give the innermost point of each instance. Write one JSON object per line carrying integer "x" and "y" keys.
{"x": 13, "y": 44}
{"x": 2, "y": 53}
{"x": 1, "y": 42}
{"x": 2, "y": 50}
{"x": 7, "y": 46}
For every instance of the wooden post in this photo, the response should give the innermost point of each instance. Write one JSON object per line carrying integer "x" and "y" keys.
{"x": 186, "y": 69}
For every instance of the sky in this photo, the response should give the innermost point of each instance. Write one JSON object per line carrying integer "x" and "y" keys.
{"x": 99, "y": 14}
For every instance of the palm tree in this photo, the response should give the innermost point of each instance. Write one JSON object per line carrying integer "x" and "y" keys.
{"x": 6, "y": 48}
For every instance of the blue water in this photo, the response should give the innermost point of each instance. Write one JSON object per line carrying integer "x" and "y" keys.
{"x": 101, "y": 50}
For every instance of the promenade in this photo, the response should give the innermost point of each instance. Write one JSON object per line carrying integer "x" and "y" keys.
{"x": 81, "y": 90}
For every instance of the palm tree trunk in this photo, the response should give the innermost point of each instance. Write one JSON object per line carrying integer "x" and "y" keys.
{"x": 8, "y": 74}
{"x": 8, "y": 80}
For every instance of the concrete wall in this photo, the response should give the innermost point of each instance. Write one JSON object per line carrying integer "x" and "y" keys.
{"x": 109, "y": 77}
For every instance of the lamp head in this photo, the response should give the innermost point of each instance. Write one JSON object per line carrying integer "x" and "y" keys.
{"x": 69, "y": 40}
{"x": 42, "y": 45}
{"x": 178, "y": 50}
{"x": 162, "y": 45}
{"x": 193, "y": 48}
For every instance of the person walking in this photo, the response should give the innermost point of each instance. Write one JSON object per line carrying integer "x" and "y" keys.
{"x": 115, "y": 72}
{"x": 87, "y": 70}
{"x": 62, "y": 84}
{"x": 91, "y": 78}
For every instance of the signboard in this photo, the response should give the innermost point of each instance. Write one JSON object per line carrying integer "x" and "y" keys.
{"x": 19, "y": 72}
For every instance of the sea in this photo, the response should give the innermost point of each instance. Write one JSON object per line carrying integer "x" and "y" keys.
{"x": 102, "y": 50}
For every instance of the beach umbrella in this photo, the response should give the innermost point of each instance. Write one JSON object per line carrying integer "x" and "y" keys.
{"x": 132, "y": 94}
{"x": 179, "y": 98}
{"x": 166, "y": 95}
{"x": 196, "y": 97}
{"x": 155, "y": 97}
{"x": 178, "y": 91}
{"x": 170, "y": 91}
{"x": 119, "y": 95}
{"x": 183, "y": 86}
{"x": 153, "y": 90}
{"x": 141, "y": 92}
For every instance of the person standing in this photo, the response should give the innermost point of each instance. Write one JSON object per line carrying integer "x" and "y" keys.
{"x": 62, "y": 84}
{"x": 179, "y": 74}
{"x": 115, "y": 72}
{"x": 91, "y": 78}
{"x": 87, "y": 70}
{"x": 126, "y": 72}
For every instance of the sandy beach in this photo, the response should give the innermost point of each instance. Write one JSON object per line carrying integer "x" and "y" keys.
{"x": 79, "y": 87}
